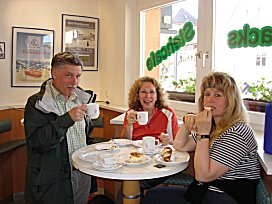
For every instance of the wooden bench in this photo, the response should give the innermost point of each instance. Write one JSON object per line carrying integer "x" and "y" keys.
{"x": 12, "y": 161}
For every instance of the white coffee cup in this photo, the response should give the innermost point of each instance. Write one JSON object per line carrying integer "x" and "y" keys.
{"x": 106, "y": 160}
{"x": 149, "y": 144}
{"x": 142, "y": 117}
{"x": 93, "y": 110}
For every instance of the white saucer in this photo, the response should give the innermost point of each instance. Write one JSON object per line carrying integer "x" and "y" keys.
{"x": 156, "y": 151}
{"x": 139, "y": 143}
{"x": 88, "y": 156}
{"x": 122, "y": 142}
{"x": 176, "y": 158}
{"x": 106, "y": 147}
{"x": 114, "y": 167}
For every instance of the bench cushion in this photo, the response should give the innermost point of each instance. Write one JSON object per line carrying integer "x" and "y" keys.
{"x": 262, "y": 194}
{"x": 5, "y": 125}
{"x": 7, "y": 146}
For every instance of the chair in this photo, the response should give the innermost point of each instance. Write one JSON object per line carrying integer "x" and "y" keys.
{"x": 181, "y": 178}
{"x": 98, "y": 123}
{"x": 262, "y": 194}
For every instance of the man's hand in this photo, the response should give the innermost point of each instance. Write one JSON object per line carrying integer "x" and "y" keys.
{"x": 78, "y": 113}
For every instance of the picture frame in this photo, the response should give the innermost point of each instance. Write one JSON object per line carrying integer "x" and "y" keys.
{"x": 2, "y": 50}
{"x": 32, "y": 51}
{"x": 80, "y": 36}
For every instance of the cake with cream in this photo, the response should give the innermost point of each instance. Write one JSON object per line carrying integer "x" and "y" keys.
{"x": 136, "y": 157}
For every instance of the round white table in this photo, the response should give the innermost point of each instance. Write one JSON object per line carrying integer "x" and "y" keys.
{"x": 130, "y": 175}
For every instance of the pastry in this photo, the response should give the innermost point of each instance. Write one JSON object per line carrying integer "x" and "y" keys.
{"x": 208, "y": 108}
{"x": 136, "y": 157}
{"x": 166, "y": 154}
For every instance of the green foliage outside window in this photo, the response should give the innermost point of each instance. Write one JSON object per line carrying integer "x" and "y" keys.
{"x": 261, "y": 90}
{"x": 185, "y": 85}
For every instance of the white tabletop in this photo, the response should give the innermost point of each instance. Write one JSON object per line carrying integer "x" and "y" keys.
{"x": 126, "y": 172}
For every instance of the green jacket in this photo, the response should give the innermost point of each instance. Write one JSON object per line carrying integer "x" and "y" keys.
{"x": 48, "y": 176}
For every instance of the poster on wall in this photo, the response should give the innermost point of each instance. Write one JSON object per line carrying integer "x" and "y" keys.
{"x": 2, "y": 50}
{"x": 32, "y": 51}
{"x": 80, "y": 37}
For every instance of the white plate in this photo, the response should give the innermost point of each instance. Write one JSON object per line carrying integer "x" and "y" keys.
{"x": 114, "y": 167}
{"x": 106, "y": 147}
{"x": 124, "y": 159}
{"x": 176, "y": 158}
{"x": 139, "y": 143}
{"x": 122, "y": 142}
{"x": 157, "y": 150}
{"x": 88, "y": 156}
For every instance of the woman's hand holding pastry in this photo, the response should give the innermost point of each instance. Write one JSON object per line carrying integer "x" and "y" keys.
{"x": 204, "y": 122}
{"x": 189, "y": 122}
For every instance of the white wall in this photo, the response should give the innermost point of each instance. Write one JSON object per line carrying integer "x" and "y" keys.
{"x": 120, "y": 46}
{"x": 119, "y": 42}
{"x": 45, "y": 14}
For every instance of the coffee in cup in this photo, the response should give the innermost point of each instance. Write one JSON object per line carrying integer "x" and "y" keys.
{"x": 93, "y": 110}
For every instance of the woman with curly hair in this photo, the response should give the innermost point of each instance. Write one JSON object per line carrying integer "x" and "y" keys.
{"x": 147, "y": 94}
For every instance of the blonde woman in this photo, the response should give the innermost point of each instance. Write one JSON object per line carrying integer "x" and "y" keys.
{"x": 225, "y": 162}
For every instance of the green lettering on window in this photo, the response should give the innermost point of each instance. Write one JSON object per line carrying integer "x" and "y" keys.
{"x": 185, "y": 34}
{"x": 250, "y": 37}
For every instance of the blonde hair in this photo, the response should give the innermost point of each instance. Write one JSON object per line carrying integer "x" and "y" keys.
{"x": 133, "y": 96}
{"x": 235, "y": 110}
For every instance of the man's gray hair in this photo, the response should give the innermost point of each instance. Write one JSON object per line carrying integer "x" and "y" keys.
{"x": 63, "y": 58}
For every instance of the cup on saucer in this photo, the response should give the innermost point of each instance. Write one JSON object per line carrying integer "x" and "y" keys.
{"x": 149, "y": 144}
{"x": 106, "y": 160}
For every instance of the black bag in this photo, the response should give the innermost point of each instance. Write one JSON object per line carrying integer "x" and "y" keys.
{"x": 196, "y": 191}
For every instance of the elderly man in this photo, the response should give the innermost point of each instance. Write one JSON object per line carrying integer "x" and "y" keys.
{"x": 56, "y": 125}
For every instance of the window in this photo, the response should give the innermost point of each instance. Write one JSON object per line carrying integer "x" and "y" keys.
{"x": 178, "y": 72}
{"x": 209, "y": 50}
{"x": 251, "y": 64}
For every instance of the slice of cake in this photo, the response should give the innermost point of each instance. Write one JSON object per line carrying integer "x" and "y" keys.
{"x": 136, "y": 157}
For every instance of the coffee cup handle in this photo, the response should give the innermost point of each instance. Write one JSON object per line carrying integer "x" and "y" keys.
{"x": 136, "y": 117}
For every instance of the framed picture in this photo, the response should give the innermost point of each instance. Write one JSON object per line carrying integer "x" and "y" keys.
{"x": 80, "y": 37}
{"x": 32, "y": 51}
{"x": 2, "y": 50}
